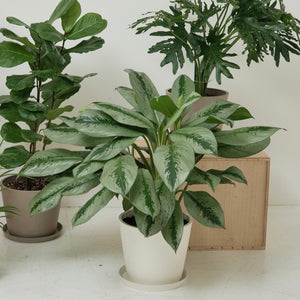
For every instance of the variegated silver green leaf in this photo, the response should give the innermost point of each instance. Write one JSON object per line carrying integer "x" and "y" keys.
{"x": 201, "y": 139}
{"x": 49, "y": 196}
{"x": 242, "y": 151}
{"x": 182, "y": 86}
{"x": 145, "y": 91}
{"x": 143, "y": 194}
{"x": 50, "y": 162}
{"x": 119, "y": 174}
{"x": 94, "y": 123}
{"x": 232, "y": 173}
{"x": 87, "y": 167}
{"x": 110, "y": 149}
{"x": 218, "y": 108}
{"x": 204, "y": 208}
{"x": 124, "y": 115}
{"x": 129, "y": 95}
{"x": 198, "y": 176}
{"x": 81, "y": 185}
{"x": 173, "y": 231}
{"x": 92, "y": 206}
{"x": 180, "y": 113}
{"x": 71, "y": 136}
{"x": 173, "y": 163}
{"x": 245, "y": 136}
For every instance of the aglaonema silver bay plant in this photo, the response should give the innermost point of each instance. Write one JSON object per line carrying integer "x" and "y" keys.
{"x": 36, "y": 99}
{"x": 152, "y": 179}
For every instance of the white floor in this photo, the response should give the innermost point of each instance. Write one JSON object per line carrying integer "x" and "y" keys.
{"x": 84, "y": 263}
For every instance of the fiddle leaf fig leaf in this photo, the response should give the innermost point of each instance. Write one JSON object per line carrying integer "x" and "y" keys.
{"x": 61, "y": 9}
{"x": 15, "y": 21}
{"x": 53, "y": 114}
{"x": 92, "y": 44}
{"x": 20, "y": 96}
{"x": 9, "y": 111}
{"x": 119, "y": 174}
{"x": 47, "y": 32}
{"x": 143, "y": 194}
{"x": 50, "y": 162}
{"x": 12, "y": 54}
{"x": 11, "y": 35}
{"x": 20, "y": 82}
{"x": 173, "y": 163}
{"x": 201, "y": 139}
{"x": 11, "y": 133}
{"x": 5, "y": 99}
{"x": 92, "y": 206}
{"x": 69, "y": 18}
{"x": 173, "y": 231}
{"x": 89, "y": 24}
{"x": 204, "y": 208}
{"x": 14, "y": 157}
{"x": 49, "y": 196}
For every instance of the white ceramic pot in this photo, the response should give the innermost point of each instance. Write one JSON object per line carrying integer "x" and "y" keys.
{"x": 151, "y": 261}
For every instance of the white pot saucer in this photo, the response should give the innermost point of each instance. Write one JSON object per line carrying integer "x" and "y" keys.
{"x": 149, "y": 287}
{"x": 39, "y": 239}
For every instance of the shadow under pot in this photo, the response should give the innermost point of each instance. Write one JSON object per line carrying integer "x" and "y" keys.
{"x": 23, "y": 227}
{"x": 150, "y": 263}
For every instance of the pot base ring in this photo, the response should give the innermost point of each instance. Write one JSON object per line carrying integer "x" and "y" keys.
{"x": 39, "y": 239}
{"x": 149, "y": 287}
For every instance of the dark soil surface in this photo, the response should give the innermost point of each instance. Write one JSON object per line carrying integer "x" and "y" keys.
{"x": 25, "y": 184}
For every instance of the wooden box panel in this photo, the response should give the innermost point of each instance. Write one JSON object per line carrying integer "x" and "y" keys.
{"x": 245, "y": 206}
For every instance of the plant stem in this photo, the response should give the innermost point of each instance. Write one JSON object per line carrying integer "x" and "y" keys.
{"x": 182, "y": 193}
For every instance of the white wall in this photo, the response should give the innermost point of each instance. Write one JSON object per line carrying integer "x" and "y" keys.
{"x": 271, "y": 94}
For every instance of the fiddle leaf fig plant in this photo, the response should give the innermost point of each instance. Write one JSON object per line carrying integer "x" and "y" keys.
{"x": 147, "y": 157}
{"x": 36, "y": 99}
{"x": 205, "y": 32}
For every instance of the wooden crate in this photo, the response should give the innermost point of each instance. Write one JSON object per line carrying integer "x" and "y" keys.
{"x": 245, "y": 206}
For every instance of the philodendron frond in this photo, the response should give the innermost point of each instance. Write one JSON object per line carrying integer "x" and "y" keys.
{"x": 205, "y": 32}
{"x": 152, "y": 179}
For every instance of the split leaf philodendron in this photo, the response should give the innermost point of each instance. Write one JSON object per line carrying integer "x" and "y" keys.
{"x": 36, "y": 99}
{"x": 152, "y": 178}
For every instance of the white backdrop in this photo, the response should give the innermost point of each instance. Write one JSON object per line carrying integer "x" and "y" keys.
{"x": 270, "y": 93}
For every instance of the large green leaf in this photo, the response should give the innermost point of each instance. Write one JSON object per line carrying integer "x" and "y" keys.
{"x": 89, "y": 24}
{"x": 198, "y": 176}
{"x": 183, "y": 86}
{"x": 16, "y": 21}
{"x": 14, "y": 157}
{"x": 50, "y": 162}
{"x": 61, "y": 9}
{"x": 29, "y": 136}
{"x": 32, "y": 111}
{"x": 5, "y": 99}
{"x": 11, "y": 35}
{"x": 204, "y": 208}
{"x": 145, "y": 91}
{"x": 124, "y": 115}
{"x": 245, "y": 136}
{"x": 54, "y": 113}
{"x": 164, "y": 104}
{"x": 12, "y": 54}
{"x": 173, "y": 163}
{"x": 81, "y": 185}
{"x": 173, "y": 231}
{"x": 143, "y": 194}
{"x": 69, "y": 18}
{"x": 9, "y": 111}
{"x": 109, "y": 149}
{"x": 119, "y": 174}
{"x": 129, "y": 95}
{"x": 57, "y": 84}
{"x": 47, "y": 32}
{"x": 94, "y": 123}
{"x": 20, "y": 82}
{"x": 91, "y": 44}
{"x": 87, "y": 168}
{"x": 12, "y": 133}
{"x": 54, "y": 58}
{"x": 20, "y": 96}
{"x": 92, "y": 206}
{"x": 242, "y": 151}
{"x": 201, "y": 139}
{"x": 217, "y": 108}
{"x": 71, "y": 136}
{"x": 50, "y": 196}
